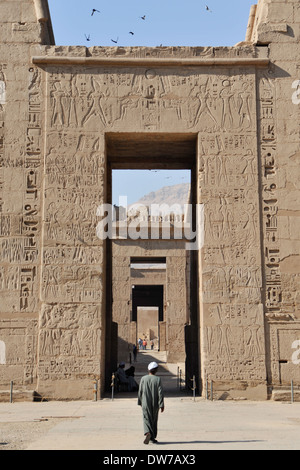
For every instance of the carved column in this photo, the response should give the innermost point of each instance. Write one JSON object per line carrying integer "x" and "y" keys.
{"x": 232, "y": 320}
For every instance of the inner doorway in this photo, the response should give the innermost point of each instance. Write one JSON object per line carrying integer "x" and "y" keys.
{"x": 177, "y": 307}
{"x": 148, "y": 313}
{"x": 147, "y": 328}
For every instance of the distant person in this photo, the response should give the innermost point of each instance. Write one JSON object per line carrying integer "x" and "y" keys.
{"x": 134, "y": 350}
{"x": 151, "y": 399}
{"x": 144, "y": 344}
{"x": 152, "y": 345}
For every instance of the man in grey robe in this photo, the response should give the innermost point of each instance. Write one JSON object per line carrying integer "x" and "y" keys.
{"x": 151, "y": 399}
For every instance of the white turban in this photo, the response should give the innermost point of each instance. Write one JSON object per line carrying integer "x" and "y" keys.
{"x": 152, "y": 366}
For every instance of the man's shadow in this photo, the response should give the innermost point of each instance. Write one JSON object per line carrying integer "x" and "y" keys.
{"x": 160, "y": 443}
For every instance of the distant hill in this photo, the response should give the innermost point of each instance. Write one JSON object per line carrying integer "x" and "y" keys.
{"x": 174, "y": 197}
{"x": 177, "y": 194}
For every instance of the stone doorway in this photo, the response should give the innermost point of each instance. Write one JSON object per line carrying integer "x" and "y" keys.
{"x": 148, "y": 312}
{"x": 177, "y": 281}
{"x": 147, "y": 328}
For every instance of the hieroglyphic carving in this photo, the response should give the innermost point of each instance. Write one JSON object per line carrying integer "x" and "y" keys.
{"x": 72, "y": 273}
{"x": 106, "y": 98}
{"x": 231, "y": 259}
{"x": 16, "y": 247}
{"x": 30, "y": 351}
{"x": 227, "y": 167}
{"x": 20, "y": 340}
{"x": 221, "y": 284}
{"x": 268, "y": 149}
{"x": 72, "y": 283}
{"x": 220, "y": 254}
{"x": 34, "y": 127}
{"x": 79, "y": 255}
{"x": 74, "y": 188}
{"x": 234, "y": 342}
{"x": 31, "y": 226}
{"x": 227, "y": 144}
{"x": 176, "y": 298}
{"x": 224, "y": 102}
{"x": 69, "y": 340}
{"x": 227, "y": 221}
{"x": 2, "y": 119}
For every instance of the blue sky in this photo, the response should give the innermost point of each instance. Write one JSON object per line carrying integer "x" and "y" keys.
{"x": 167, "y": 22}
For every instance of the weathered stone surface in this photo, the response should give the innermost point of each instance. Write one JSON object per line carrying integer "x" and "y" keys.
{"x": 70, "y": 114}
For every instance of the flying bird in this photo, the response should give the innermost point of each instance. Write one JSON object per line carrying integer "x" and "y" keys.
{"x": 207, "y": 8}
{"x": 143, "y": 17}
{"x": 132, "y": 34}
{"x": 94, "y": 11}
{"x": 88, "y": 38}
{"x": 116, "y": 42}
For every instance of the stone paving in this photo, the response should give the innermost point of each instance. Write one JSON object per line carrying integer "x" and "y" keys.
{"x": 188, "y": 423}
{"x": 185, "y": 425}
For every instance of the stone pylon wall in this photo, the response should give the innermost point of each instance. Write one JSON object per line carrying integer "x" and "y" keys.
{"x": 58, "y": 104}
{"x": 23, "y": 25}
{"x": 277, "y": 26}
{"x": 232, "y": 323}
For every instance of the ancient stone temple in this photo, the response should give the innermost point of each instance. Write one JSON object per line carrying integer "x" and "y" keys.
{"x": 70, "y": 300}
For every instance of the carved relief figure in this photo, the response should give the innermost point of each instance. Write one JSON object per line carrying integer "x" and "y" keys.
{"x": 245, "y": 107}
{"x": 95, "y": 108}
{"x": 203, "y": 110}
{"x": 71, "y": 330}
{"x": 58, "y": 109}
{"x": 252, "y": 339}
{"x": 219, "y": 103}
{"x": 228, "y": 104}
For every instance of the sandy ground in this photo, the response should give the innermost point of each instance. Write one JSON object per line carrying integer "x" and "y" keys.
{"x": 185, "y": 425}
{"x": 18, "y": 435}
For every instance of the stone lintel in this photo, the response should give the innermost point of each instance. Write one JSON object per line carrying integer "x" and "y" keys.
{"x": 133, "y": 61}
